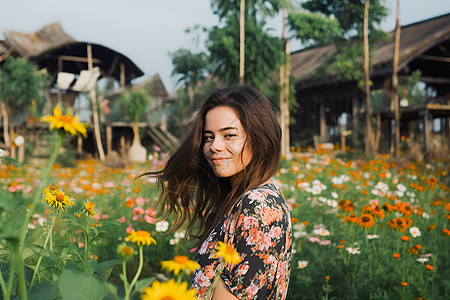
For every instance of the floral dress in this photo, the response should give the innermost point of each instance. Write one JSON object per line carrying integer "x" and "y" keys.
{"x": 259, "y": 228}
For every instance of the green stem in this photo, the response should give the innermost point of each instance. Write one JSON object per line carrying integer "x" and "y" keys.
{"x": 5, "y": 291}
{"x": 216, "y": 280}
{"x": 36, "y": 269}
{"x": 24, "y": 229}
{"x": 12, "y": 272}
{"x": 138, "y": 273}
{"x": 124, "y": 273}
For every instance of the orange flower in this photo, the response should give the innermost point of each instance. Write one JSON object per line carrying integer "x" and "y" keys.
{"x": 418, "y": 247}
{"x": 396, "y": 255}
{"x": 129, "y": 203}
{"x": 351, "y": 219}
{"x": 412, "y": 250}
{"x": 405, "y": 238}
{"x": 431, "y": 227}
{"x": 430, "y": 267}
{"x": 364, "y": 192}
{"x": 404, "y": 283}
{"x": 340, "y": 246}
{"x": 305, "y": 223}
{"x": 366, "y": 221}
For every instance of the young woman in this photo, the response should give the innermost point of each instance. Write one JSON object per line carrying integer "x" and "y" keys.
{"x": 218, "y": 180}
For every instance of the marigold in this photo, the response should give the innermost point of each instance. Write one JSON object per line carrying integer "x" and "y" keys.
{"x": 404, "y": 283}
{"x": 405, "y": 238}
{"x": 180, "y": 263}
{"x": 56, "y": 198}
{"x": 396, "y": 255}
{"x": 366, "y": 221}
{"x": 228, "y": 253}
{"x": 66, "y": 122}
{"x": 169, "y": 290}
{"x": 89, "y": 206}
{"x": 351, "y": 219}
{"x": 140, "y": 237}
{"x": 430, "y": 267}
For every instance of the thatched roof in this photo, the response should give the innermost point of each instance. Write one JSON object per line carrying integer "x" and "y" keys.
{"x": 30, "y": 45}
{"x": 47, "y": 45}
{"x": 155, "y": 85}
{"x": 415, "y": 40}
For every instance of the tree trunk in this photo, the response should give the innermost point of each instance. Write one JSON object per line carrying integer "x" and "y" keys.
{"x": 242, "y": 42}
{"x": 284, "y": 94}
{"x": 368, "y": 137}
{"x": 394, "y": 95}
{"x": 5, "y": 124}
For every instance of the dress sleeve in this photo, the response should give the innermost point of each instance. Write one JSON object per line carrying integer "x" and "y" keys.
{"x": 260, "y": 238}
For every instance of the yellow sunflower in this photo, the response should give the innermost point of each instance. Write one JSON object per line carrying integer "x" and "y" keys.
{"x": 180, "y": 263}
{"x": 228, "y": 253}
{"x": 140, "y": 237}
{"x": 56, "y": 198}
{"x": 66, "y": 122}
{"x": 89, "y": 206}
{"x": 169, "y": 290}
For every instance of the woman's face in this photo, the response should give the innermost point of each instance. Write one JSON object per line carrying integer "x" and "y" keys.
{"x": 224, "y": 140}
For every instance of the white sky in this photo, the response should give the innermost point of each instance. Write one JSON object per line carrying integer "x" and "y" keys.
{"x": 147, "y": 30}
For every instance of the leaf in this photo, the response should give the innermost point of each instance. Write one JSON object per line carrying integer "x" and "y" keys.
{"x": 43, "y": 291}
{"x": 104, "y": 269}
{"x": 79, "y": 286}
{"x": 143, "y": 283}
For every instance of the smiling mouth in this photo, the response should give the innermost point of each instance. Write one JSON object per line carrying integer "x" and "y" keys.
{"x": 218, "y": 161}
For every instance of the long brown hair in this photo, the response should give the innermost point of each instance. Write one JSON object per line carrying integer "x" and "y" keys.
{"x": 190, "y": 189}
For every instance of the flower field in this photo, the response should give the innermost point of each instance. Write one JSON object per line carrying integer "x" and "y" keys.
{"x": 362, "y": 230}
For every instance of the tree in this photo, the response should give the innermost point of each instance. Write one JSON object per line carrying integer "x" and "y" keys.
{"x": 21, "y": 85}
{"x": 190, "y": 69}
{"x": 395, "y": 83}
{"x": 261, "y": 53}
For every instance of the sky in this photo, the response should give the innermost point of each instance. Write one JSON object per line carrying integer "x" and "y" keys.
{"x": 146, "y": 31}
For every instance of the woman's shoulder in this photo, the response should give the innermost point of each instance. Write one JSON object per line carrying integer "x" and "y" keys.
{"x": 266, "y": 197}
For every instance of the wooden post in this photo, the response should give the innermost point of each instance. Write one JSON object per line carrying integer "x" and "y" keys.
{"x": 108, "y": 139}
{"x": 60, "y": 69}
{"x": 93, "y": 96}
{"x": 355, "y": 121}
{"x": 426, "y": 130}
{"x": 79, "y": 144}
{"x": 122, "y": 74}
{"x": 284, "y": 94}
{"x": 323, "y": 123}
{"x": 368, "y": 137}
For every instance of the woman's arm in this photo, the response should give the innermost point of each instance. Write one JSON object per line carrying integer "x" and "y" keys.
{"x": 222, "y": 292}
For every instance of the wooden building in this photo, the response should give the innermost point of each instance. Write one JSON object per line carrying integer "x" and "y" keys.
{"x": 324, "y": 105}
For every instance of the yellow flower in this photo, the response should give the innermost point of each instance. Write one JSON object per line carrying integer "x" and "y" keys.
{"x": 169, "y": 290}
{"x": 89, "y": 206}
{"x": 56, "y": 198}
{"x": 140, "y": 237}
{"x": 125, "y": 251}
{"x": 66, "y": 122}
{"x": 180, "y": 263}
{"x": 228, "y": 253}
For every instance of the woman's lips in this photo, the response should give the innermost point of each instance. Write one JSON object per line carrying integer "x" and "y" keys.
{"x": 218, "y": 161}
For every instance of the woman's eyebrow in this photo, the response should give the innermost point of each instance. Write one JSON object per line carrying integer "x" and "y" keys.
{"x": 221, "y": 129}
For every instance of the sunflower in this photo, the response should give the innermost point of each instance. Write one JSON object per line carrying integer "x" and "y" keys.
{"x": 180, "y": 263}
{"x": 140, "y": 237}
{"x": 351, "y": 219}
{"x": 169, "y": 290}
{"x": 89, "y": 206}
{"x": 66, "y": 122}
{"x": 228, "y": 253}
{"x": 56, "y": 198}
{"x": 377, "y": 212}
{"x": 366, "y": 221}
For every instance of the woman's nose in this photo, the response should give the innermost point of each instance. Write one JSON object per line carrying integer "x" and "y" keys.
{"x": 217, "y": 145}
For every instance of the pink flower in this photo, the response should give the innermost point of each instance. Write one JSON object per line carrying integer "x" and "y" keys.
{"x": 138, "y": 210}
{"x": 314, "y": 239}
{"x": 80, "y": 245}
{"x": 149, "y": 219}
{"x": 122, "y": 220}
{"x": 105, "y": 216}
{"x": 326, "y": 242}
{"x": 130, "y": 229}
{"x": 140, "y": 201}
{"x": 126, "y": 182}
{"x": 373, "y": 202}
{"x": 96, "y": 217}
{"x": 12, "y": 189}
{"x": 150, "y": 212}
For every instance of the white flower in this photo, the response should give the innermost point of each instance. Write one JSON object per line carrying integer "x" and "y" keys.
{"x": 162, "y": 226}
{"x": 302, "y": 264}
{"x": 401, "y": 187}
{"x": 19, "y": 140}
{"x": 334, "y": 195}
{"x": 415, "y": 232}
{"x": 373, "y": 236}
{"x": 321, "y": 232}
{"x": 353, "y": 250}
{"x": 422, "y": 259}
{"x": 425, "y": 215}
{"x": 322, "y": 199}
{"x": 399, "y": 193}
{"x": 179, "y": 234}
{"x": 2, "y": 153}
{"x": 336, "y": 180}
{"x": 174, "y": 241}
{"x": 332, "y": 203}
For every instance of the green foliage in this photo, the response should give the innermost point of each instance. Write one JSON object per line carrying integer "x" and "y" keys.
{"x": 314, "y": 29}
{"x": 262, "y": 53}
{"x": 188, "y": 67}
{"x": 134, "y": 104}
{"x": 21, "y": 84}
{"x": 253, "y": 8}
{"x": 411, "y": 89}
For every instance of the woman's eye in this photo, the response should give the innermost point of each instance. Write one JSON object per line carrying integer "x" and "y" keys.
{"x": 207, "y": 138}
{"x": 230, "y": 135}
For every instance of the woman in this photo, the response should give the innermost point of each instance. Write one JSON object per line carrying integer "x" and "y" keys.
{"x": 218, "y": 180}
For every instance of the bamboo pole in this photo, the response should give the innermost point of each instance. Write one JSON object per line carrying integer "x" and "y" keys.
{"x": 368, "y": 137}
{"x": 93, "y": 96}
{"x": 242, "y": 42}
{"x": 394, "y": 95}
